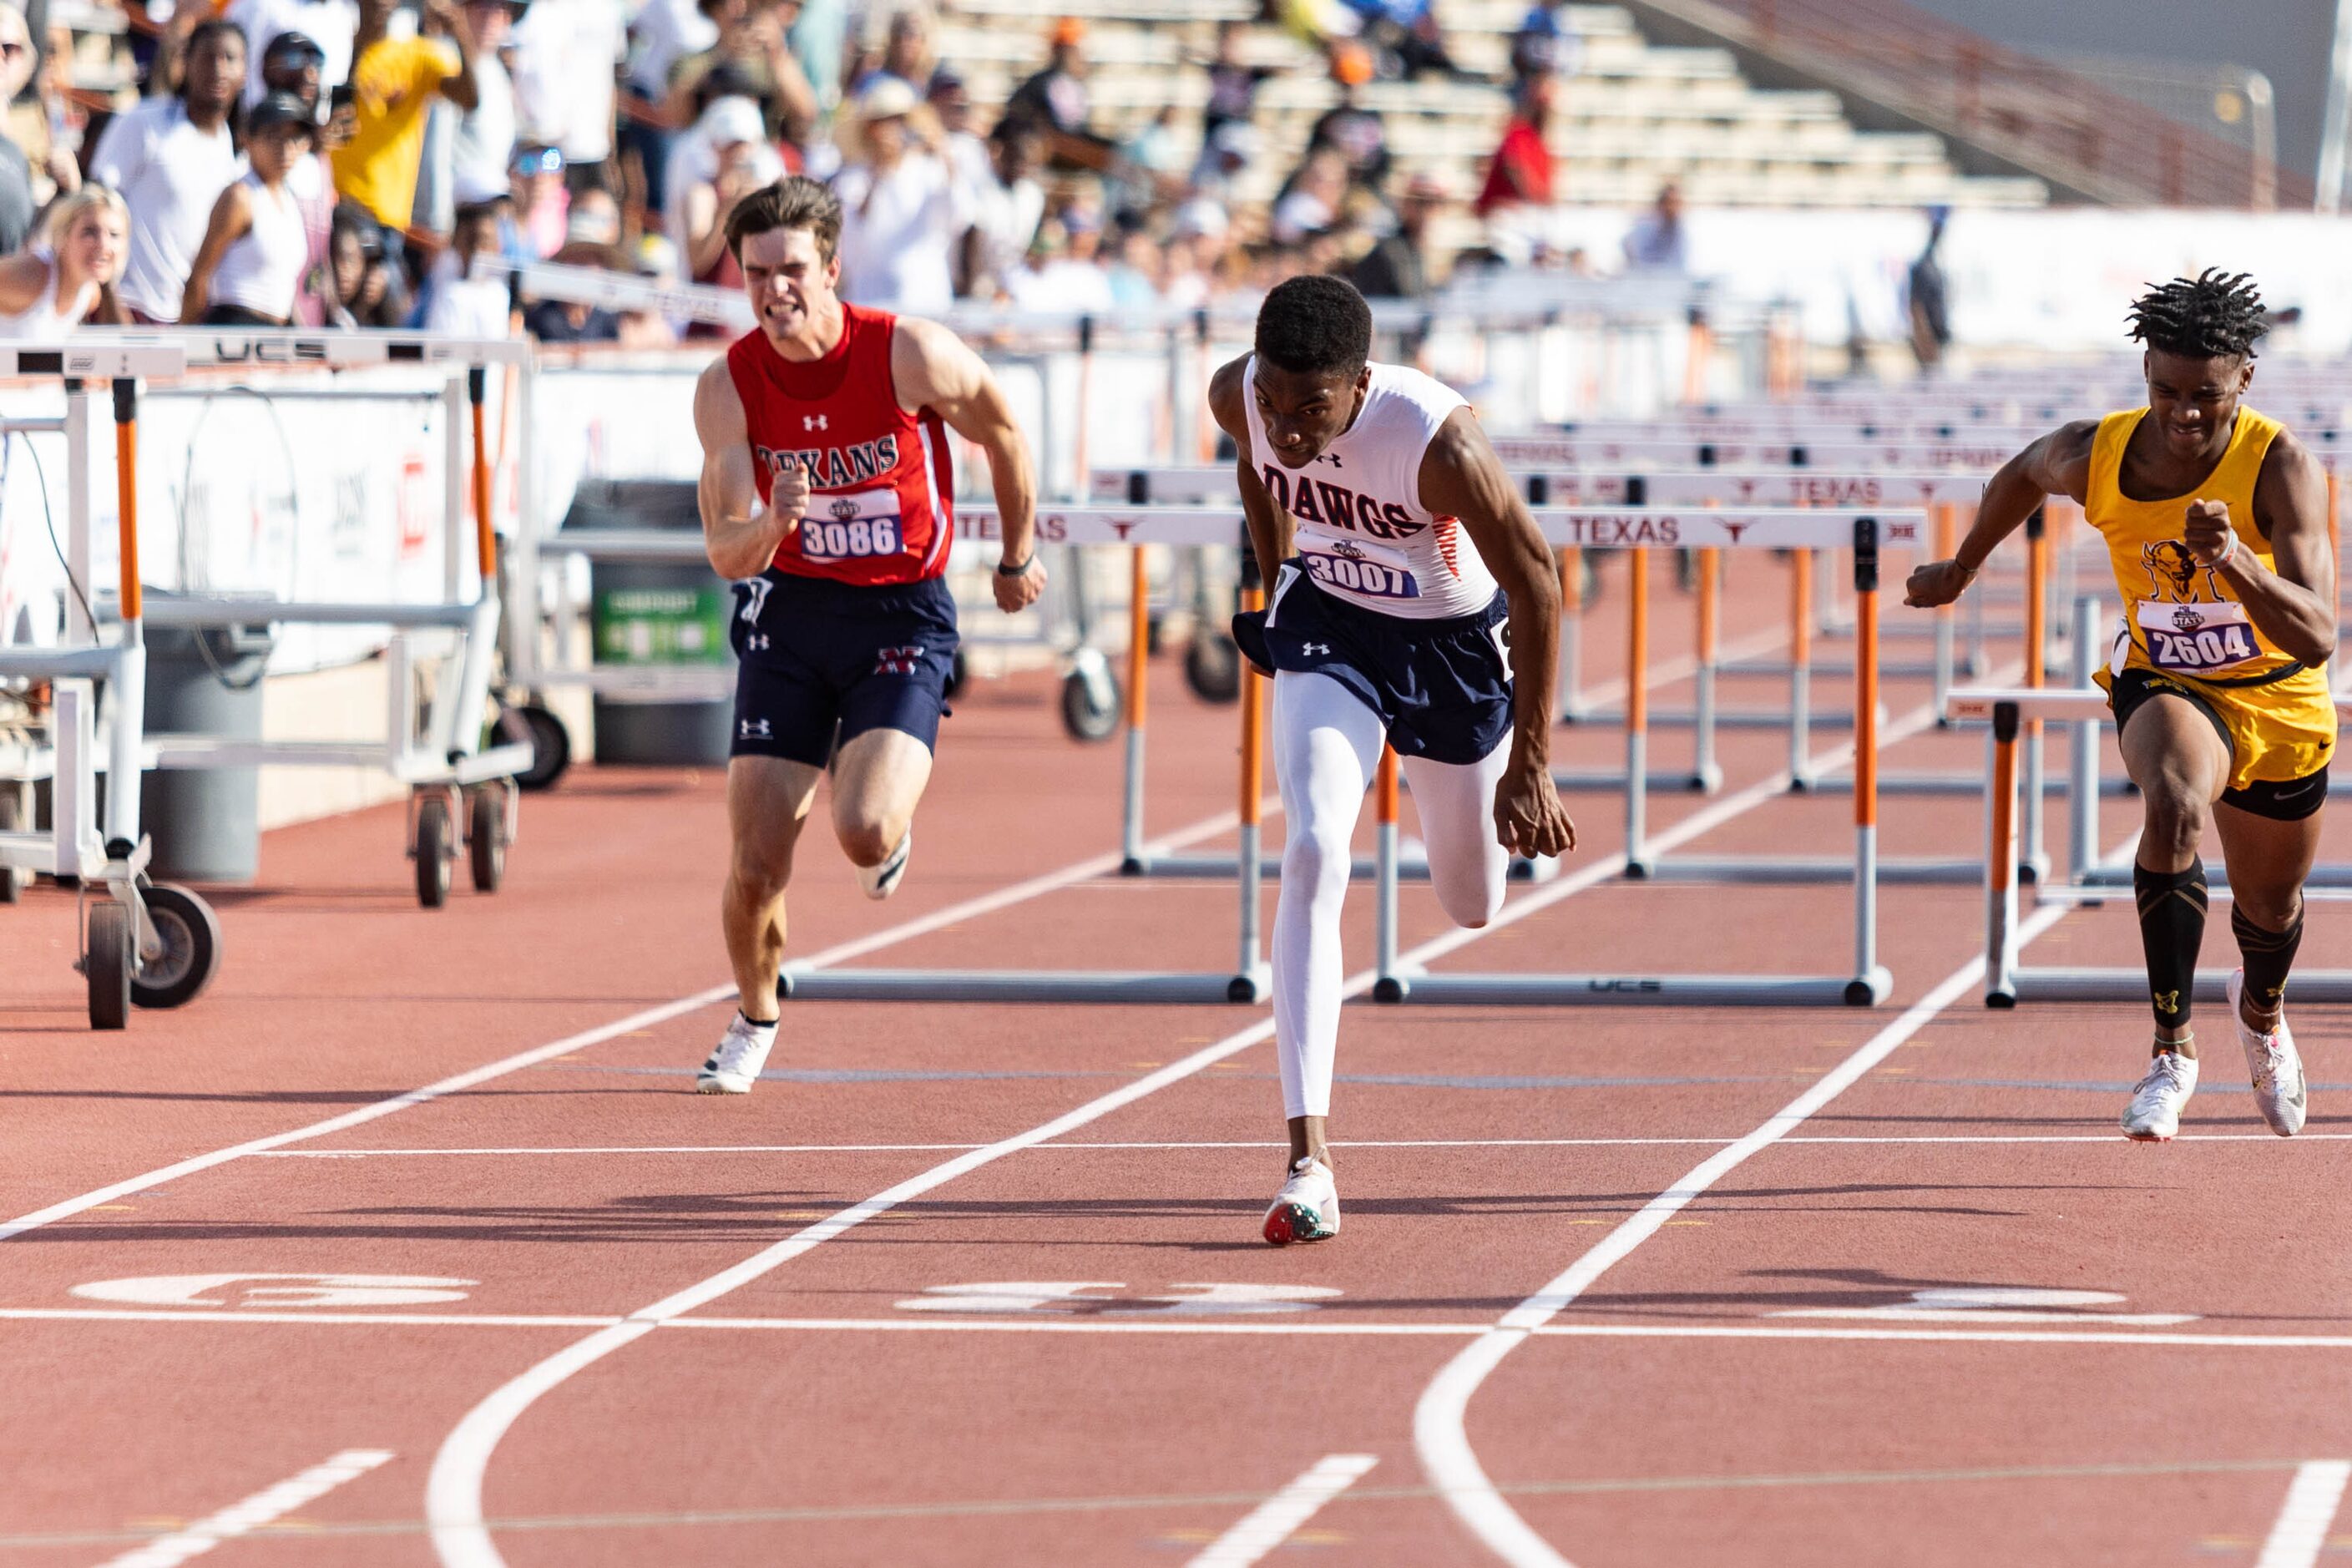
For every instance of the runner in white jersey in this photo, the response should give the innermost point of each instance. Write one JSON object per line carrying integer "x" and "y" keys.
{"x": 1416, "y": 604}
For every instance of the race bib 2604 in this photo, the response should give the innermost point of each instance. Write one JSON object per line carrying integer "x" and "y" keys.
{"x": 1359, "y": 568}
{"x": 2196, "y": 639}
{"x": 840, "y": 527}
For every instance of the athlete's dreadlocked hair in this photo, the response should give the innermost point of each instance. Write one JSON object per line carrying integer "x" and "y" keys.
{"x": 1312, "y": 325}
{"x": 2216, "y": 316}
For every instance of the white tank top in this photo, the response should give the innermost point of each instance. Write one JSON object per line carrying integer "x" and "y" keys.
{"x": 263, "y": 271}
{"x": 43, "y": 320}
{"x": 1359, "y": 526}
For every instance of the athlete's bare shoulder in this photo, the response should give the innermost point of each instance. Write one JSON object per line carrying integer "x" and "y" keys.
{"x": 2060, "y": 462}
{"x": 2291, "y": 485}
{"x": 1226, "y": 395}
{"x": 929, "y": 365}
{"x": 718, "y": 417}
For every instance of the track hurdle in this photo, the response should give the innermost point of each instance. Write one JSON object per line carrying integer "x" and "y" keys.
{"x": 1868, "y": 983}
{"x": 152, "y": 943}
{"x": 2006, "y": 982}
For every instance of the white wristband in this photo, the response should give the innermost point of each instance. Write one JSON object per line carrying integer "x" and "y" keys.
{"x": 2229, "y": 552}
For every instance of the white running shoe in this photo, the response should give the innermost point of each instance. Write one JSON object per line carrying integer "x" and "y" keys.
{"x": 735, "y": 1066}
{"x": 2154, "y": 1115}
{"x": 2276, "y": 1069}
{"x": 881, "y": 881}
{"x": 1307, "y": 1207}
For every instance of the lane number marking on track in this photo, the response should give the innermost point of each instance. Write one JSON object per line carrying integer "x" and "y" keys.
{"x": 259, "y": 1291}
{"x": 1999, "y": 1304}
{"x": 1090, "y": 1297}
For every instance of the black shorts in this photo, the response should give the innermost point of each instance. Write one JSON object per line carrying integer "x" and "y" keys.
{"x": 1443, "y": 688}
{"x": 823, "y": 661}
{"x": 2290, "y": 801}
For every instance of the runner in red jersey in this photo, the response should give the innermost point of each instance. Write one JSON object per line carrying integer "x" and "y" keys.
{"x": 826, "y": 493}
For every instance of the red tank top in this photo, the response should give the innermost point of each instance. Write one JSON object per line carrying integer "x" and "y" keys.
{"x": 879, "y": 511}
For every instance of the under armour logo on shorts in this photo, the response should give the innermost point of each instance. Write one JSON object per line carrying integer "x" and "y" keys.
{"x": 1315, "y": 649}
{"x": 897, "y": 661}
{"x": 754, "y": 730}
{"x": 811, "y": 421}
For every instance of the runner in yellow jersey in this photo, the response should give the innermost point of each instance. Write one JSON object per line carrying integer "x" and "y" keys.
{"x": 2216, "y": 521}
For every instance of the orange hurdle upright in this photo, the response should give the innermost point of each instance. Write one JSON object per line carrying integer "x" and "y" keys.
{"x": 1384, "y": 818}
{"x": 2032, "y": 865}
{"x": 1139, "y": 670}
{"x": 1637, "y": 708}
{"x": 1256, "y": 692}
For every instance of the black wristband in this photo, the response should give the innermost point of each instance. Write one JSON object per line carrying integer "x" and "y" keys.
{"x": 1002, "y": 570}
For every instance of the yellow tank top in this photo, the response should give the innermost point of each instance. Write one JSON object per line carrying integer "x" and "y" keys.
{"x": 2183, "y": 619}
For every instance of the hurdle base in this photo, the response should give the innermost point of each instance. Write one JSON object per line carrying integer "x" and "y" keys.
{"x": 1363, "y": 868}
{"x": 1099, "y": 987}
{"x": 1737, "y": 719}
{"x": 1800, "y": 870}
{"x": 1698, "y": 782}
{"x": 1634, "y": 990}
{"x": 1950, "y": 784}
{"x": 2054, "y": 984}
{"x": 2321, "y": 876}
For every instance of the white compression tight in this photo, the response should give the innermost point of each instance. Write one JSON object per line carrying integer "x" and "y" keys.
{"x": 1327, "y": 746}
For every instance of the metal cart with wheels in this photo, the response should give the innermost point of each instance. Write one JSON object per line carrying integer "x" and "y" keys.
{"x": 141, "y": 943}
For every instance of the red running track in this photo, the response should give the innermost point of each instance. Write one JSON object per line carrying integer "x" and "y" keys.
{"x": 981, "y": 1285}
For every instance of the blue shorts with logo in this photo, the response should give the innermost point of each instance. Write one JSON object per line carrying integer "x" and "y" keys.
{"x": 1443, "y": 688}
{"x": 822, "y": 662}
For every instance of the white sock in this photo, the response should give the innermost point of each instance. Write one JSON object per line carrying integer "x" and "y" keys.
{"x": 1325, "y": 746}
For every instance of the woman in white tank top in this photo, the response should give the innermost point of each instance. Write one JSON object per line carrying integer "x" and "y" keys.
{"x": 249, "y": 267}
{"x": 49, "y": 289}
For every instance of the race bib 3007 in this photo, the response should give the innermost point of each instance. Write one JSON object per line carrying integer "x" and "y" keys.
{"x": 1359, "y": 568}
{"x": 840, "y": 527}
{"x": 2196, "y": 639}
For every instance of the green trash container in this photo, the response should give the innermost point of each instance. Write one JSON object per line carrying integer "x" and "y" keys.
{"x": 654, "y": 614}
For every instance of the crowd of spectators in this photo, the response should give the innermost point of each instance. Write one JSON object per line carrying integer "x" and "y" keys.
{"x": 380, "y": 163}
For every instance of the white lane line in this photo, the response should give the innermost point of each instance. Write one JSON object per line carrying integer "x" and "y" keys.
{"x": 1277, "y": 1519}
{"x": 1317, "y": 1329}
{"x": 452, "y": 1496}
{"x": 986, "y": 903}
{"x": 1438, "y": 1431}
{"x": 2312, "y": 1498}
{"x": 260, "y": 1509}
{"x": 1178, "y": 1146}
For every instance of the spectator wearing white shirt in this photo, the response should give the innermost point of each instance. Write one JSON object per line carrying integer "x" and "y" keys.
{"x": 663, "y": 33}
{"x": 468, "y": 304}
{"x": 485, "y": 139}
{"x": 291, "y": 64}
{"x": 331, "y": 24}
{"x": 249, "y": 268}
{"x": 567, "y": 53}
{"x": 170, "y": 158}
{"x": 1655, "y": 242}
{"x": 902, "y": 207}
{"x": 1008, "y": 207}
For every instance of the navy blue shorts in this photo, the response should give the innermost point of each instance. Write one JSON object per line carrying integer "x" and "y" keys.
{"x": 1443, "y": 688}
{"x": 823, "y": 661}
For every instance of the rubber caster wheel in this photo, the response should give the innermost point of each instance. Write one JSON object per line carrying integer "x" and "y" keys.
{"x": 432, "y": 852}
{"x": 486, "y": 836}
{"x": 13, "y": 880}
{"x": 958, "y": 673}
{"x": 108, "y": 965}
{"x": 191, "y": 935}
{"x": 1212, "y": 668}
{"x": 1090, "y": 706}
{"x": 551, "y": 743}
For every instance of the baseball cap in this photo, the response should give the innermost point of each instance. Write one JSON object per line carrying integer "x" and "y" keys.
{"x": 281, "y": 108}
{"x": 293, "y": 45}
{"x": 885, "y": 97}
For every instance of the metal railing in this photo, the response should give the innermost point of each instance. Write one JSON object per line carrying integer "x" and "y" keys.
{"x": 2041, "y": 116}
